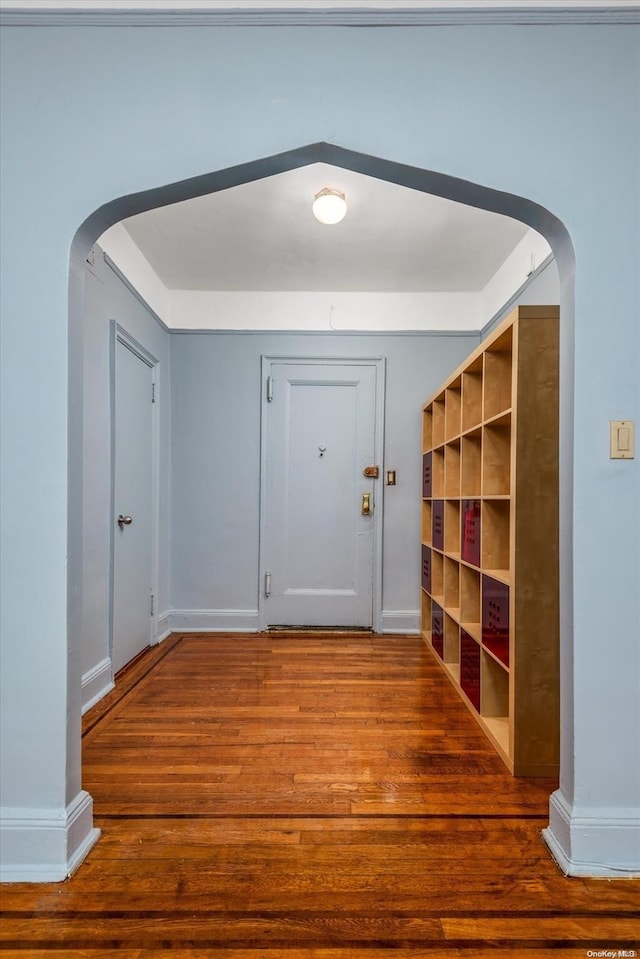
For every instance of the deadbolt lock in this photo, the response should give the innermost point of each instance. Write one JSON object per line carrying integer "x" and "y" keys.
{"x": 373, "y": 472}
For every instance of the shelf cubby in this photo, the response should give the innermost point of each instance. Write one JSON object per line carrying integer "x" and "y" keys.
{"x": 437, "y": 576}
{"x": 495, "y": 618}
{"x": 495, "y": 537}
{"x": 426, "y": 569}
{"x": 437, "y": 524}
{"x": 437, "y": 628}
{"x": 427, "y": 428}
{"x": 425, "y": 610}
{"x": 437, "y": 408}
{"x": 452, "y": 409}
{"x": 426, "y": 522}
{"x": 472, "y": 395}
{"x": 437, "y": 472}
{"x": 496, "y": 457}
{"x": 492, "y": 427}
{"x": 452, "y": 527}
{"x": 470, "y": 520}
{"x": 495, "y": 687}
{"x": 471, "y": 464}
{"x": 451, "y": 640}
{"x": 497, "y": 375}
{"x": 470, "y": 605}
{"x": 427, "y": 475}
{"x": 494, "y": 703}
{"x": 452, "y": 587}
{"x": 452, "y": 469}
{"x": 470, "y": 668}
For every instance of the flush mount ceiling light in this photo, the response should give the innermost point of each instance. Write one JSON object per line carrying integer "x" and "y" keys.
{"x": 329, "y": 206}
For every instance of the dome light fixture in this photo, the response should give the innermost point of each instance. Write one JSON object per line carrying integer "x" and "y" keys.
{"x": 329, "y": 206}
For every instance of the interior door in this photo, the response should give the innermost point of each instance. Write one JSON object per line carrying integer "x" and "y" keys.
{"x": 132, "y": 555}
{"x": 318, "y": 506}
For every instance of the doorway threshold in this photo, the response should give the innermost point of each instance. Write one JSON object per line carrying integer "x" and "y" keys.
{"x": 366, "y": 630}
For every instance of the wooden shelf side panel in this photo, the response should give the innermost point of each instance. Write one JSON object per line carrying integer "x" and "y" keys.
{"x": 536, "y": 565}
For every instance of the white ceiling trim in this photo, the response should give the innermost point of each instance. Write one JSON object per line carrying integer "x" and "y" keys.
{"x": 345, "y": 311}
{"x": 308, "y": 12}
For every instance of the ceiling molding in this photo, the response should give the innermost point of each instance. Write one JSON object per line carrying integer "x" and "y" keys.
{"x": 351, "y": 13}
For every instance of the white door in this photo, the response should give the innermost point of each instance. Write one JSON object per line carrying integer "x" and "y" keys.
{"x": 132, "y": 579}
{"x": 318, "y": 506}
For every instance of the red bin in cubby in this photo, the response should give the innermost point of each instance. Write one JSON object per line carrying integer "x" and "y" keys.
{"x": 470, "y": 532}
{"x": 495, "y": 618}
{"x": 437, "y": 530}
{"x": 470, "y": 668}
{"x": 427, "y": 476}
{"x": 426, "y": 569}
{"x": 437, "y": 629}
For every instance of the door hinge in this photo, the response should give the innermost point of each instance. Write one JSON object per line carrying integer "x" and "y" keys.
{"x": 151, "y": 606}
{"x": 153, "y": 392}
{"x": 269, "y": 389}
{"x": 267, "y": 585}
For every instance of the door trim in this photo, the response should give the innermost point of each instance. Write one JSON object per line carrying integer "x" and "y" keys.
{"x": 119, "y": 334}
{"x": 379, "y": 362}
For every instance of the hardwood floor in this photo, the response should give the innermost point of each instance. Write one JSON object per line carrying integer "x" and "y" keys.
{"x": 311, "y": 795}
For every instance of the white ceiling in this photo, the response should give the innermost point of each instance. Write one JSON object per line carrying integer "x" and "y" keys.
{"x": 263, "y": 236}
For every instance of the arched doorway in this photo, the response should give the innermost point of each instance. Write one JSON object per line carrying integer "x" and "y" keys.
{"x": 421, "y": 180}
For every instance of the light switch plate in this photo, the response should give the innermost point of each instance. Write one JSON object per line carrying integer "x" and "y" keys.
{"x": 622, "y": 436}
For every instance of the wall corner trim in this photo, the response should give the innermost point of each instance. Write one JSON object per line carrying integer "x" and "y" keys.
{"x": 593, "y": 842}
{"x": 46, "y": 845}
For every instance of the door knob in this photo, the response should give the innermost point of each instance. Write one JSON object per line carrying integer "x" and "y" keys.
{"x": 366, "y": 504}
{"x": 124, "y": 521}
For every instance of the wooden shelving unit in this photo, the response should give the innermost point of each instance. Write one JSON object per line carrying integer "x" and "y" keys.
{"x": 490, "y": 537}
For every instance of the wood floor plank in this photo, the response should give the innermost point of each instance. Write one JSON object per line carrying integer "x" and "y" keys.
{"x": 299, "y": 796}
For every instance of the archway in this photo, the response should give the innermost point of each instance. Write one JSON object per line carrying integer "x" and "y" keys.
{"x": 414, "y": 178}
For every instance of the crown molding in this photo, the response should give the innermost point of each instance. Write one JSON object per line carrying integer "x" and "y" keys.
{"x": 352, "y": 13}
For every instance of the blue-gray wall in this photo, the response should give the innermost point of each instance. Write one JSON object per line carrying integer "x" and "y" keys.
{"x": 216, "y": 383}
{"x": 89, "y": 115}
{"x": 109, "y": 301}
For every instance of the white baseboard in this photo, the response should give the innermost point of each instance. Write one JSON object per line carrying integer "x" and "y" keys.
{"x": 96, "y": 683}
{"x": 247, "y": 621}
{"x": 213, "y": 620}
{"x": 46, "y": 845}
{"x": 593, "y": 842}
{"x": 400, "y": 621}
